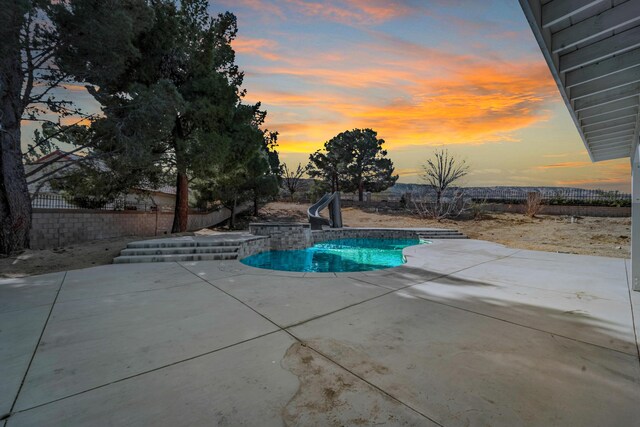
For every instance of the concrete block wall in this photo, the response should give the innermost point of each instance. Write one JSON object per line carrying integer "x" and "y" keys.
{"x": 598, "y": 211}
{"x": 200, "y": 221}
{"x": 60, "y": 227}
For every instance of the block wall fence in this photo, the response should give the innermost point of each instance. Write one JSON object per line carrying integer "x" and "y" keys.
{"x": 599, "y": 211}
{"x": 60, "y": 227}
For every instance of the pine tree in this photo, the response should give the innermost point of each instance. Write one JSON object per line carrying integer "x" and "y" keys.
{"x": 33, "y": 37}
{"x": 354, "y": 161}
{"x": 167, "y": 115}
{"x": 250, "y": 169}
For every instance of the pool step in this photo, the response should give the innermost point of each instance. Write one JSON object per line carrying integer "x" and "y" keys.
{"x": 441, "y": 234}
{"x": 179, "y": 249}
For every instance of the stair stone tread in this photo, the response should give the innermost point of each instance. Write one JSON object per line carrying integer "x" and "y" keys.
{"x": 185, "y": 244}
{"x": 179, "y": 250}
{"x": 442, "y": 234}
{"x": 174, "y": 257}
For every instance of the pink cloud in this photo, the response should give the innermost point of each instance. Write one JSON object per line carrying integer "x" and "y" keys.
{"x": 262, "y": 48}
{"x": 353, "y": 11}
{"x": 266, "y": 8}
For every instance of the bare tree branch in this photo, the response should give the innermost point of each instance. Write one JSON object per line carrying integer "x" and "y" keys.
{"x": 53, "y": 136}
{"x": 292, "y": 178}
{"x": 50, "y": 86}
{"x": 439, "y": 174}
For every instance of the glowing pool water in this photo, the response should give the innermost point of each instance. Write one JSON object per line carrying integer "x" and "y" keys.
{"x": 344, "y": 255}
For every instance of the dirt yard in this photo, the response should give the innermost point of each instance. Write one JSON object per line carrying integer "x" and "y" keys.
{"x": 589, "y": 236}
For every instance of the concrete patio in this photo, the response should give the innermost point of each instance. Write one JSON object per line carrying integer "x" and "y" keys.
{"x": 466, "y": 333}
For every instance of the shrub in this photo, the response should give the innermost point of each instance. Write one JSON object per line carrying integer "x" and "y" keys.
{"x": 533, "y": 205}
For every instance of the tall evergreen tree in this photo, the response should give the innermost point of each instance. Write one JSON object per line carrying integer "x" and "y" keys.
{"x": 250, "y": 170}
{"x": 32, "y": 39}
{"x": 263, "y": 178}
{"x": 354, "y": 161}
{"x": 167, "y": 114}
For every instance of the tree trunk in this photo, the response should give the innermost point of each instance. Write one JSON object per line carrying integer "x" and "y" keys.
{"x": 232, "y": 218}
{"x": 255, "y": 205}
{"x": 361, "y": 191}
{"x": 438, "y": 209}
{"x": 181, "y": 213}
{"x": 15, "y": 203}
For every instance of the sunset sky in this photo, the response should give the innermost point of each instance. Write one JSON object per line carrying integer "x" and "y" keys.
{"x": 465, "y": 75}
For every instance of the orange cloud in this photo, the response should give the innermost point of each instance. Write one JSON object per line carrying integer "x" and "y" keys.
{"x": 565, "y": 165}
{"x": 406, "y": 172}
{"x": 348, "y": 78}
{"x": 288, "y": 99}
{"x": 74, "y": 120}
{"x": 262, "y": 48}
{"x": 482, "y": 105}
{"x": 411, "y": 94}
{"x": 349, "y": 12}
{"x": 595, "y": 183}
{"x": 264, "y": 7}
{"x": 353, "y": 11}
{"x": 485, "y": 102}
{"x": 612, "y": 174}
{"x": 75, "y": 87}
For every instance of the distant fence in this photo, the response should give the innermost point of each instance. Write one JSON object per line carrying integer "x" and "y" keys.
{"x": 515, "y": 196}
{"x": 57, "y": 201}
{"x": 565, "y": 197}
{"x": 569, "y": 210}
{"x": 512, "y": 196}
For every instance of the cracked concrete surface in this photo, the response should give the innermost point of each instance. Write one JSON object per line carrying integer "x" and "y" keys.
{"x": 466, "y": 333}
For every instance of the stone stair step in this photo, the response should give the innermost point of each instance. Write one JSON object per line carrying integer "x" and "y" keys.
{"x": 444, "y": 237}
{"x": 180, "y": 244}
{"x": 441, "y": 234}
{"x": 176, "y": 258}
{"x": 179, "y": 250}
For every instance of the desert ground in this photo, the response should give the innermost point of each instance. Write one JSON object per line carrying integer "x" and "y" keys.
{"x": 587, "y": 236}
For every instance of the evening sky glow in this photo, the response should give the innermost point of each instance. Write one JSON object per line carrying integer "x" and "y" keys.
{"x": 464, "y": 75}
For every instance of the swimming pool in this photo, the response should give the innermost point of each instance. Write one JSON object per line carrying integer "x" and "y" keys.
{"x": 344, "y": 255}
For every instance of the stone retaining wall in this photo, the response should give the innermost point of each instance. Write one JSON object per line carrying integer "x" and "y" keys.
{"x": 59, "y": 227}
{"x": 284, "y": 236}
{"x": 358, "y": 233}
{"x": 254, "y": 246}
